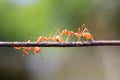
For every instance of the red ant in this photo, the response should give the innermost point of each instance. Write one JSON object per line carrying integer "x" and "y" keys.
{"x": 84, "y": 32}
{"x": 25, "y": 50}
{"x": 34, "y": 50}
{"x": 56, "y": 38}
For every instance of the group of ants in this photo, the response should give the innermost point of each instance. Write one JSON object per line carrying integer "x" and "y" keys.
{"x": 82, "y": 32}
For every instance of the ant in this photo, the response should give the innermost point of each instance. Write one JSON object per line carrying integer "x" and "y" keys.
{"x": 55, "y": 37}
{"x": 25, "y": 50}
{"x": 84, "y": 32}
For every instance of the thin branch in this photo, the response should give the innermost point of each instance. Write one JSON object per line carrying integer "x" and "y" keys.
{"x": 62, "y": 44}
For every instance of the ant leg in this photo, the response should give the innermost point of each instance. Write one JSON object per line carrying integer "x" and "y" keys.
{"x": 79, "y": 39}
{"x": 67, "y": 38}
{"x": 50, "y": 33}
{"x": 79, "y": 31}
{"x": 50, "y": 38}
{"x": 57, "y": 31}
{"x": 58, "y": 36}
{"x": 83, "y": 27}
{"x": 85, "y": 30}
{"x": 25, "y": 51}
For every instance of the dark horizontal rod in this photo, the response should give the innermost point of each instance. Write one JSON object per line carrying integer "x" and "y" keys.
{"x": 61, "y": 44}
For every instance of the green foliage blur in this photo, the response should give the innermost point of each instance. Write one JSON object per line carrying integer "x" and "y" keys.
{"x": 19, "y": 20}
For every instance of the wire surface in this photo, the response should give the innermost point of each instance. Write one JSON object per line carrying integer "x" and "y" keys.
{"x": 62, "y": 44}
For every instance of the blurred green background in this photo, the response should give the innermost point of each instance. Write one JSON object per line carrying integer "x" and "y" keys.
{"x": 22, "y": 19}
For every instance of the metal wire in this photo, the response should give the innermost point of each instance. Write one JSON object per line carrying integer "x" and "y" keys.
{"x": 61, "y": 44}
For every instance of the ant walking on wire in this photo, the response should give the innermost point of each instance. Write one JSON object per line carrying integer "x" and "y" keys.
{"x": 25, "y": 50}
{"x": 57, "y": 37}
{"x": 83, "y": 32}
